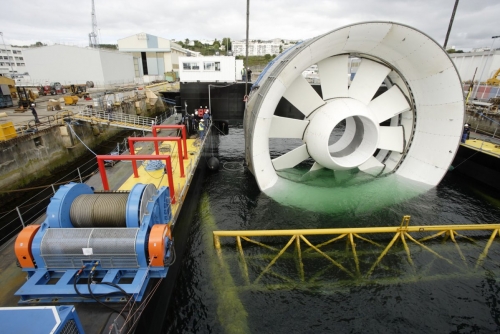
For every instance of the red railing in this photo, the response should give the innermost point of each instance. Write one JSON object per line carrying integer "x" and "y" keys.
{"x": 134, "y": 158}
{"x": 183, "y": 135}
{"x": 132, "y": 140}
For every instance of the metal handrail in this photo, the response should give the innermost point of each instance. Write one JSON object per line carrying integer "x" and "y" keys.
{"x": 119, "y": 117}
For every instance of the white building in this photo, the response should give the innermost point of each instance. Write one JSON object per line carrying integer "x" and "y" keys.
{"x": 256, "y": 48}
{"x": 153, "y": 56}
{"x": 210, "y": 69}
{"x": 467, "y": 63}
{"x": 12, "y": 63}
{"x": 76, "y": 65}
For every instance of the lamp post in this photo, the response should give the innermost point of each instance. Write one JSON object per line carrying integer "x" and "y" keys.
{"x": 485, "y": 63}
{"x": 5, "y": 48}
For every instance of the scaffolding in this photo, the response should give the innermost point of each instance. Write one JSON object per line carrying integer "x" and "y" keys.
{"x": 365, "y": 250}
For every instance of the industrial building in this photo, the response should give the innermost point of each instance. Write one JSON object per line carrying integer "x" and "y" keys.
{"x": 486, "y": 62}
{"x": 76, "y": 65}
{"x": 153, "y": 56}
{"x": 210, "y": 69}
{"x": 12, "y": 62}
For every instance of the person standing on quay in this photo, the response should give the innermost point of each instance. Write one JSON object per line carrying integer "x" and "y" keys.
{"x": 33, "y": 111}
{"x": 249, "y": 74}
{"x": 465, "y": 134}
{"x": 202, "y": 129}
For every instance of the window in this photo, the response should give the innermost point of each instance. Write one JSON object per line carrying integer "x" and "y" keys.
{"x": 211, "y": 66}
{"x": 20, "y": 64}
{"x": 21, "y": 58}
{"x": 190, "y": 66}
{"x": 208, "y": 66}
{"x": 14, "y": 51}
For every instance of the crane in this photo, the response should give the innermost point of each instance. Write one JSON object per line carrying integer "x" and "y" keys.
{"x": 93, "y": 36}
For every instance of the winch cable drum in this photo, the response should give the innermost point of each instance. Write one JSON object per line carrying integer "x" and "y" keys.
{"x": 123, "y": 235}
{"x": 77, "y": 205}
{"x": 99, "y": 210}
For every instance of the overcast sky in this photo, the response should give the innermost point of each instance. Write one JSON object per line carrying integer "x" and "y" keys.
{"x": 69, "y": 22}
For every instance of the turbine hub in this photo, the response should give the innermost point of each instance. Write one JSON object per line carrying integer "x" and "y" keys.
{"x": 357, "y": 144}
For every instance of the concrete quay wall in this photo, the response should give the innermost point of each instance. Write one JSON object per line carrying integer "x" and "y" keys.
{"x": 27, "y": 158}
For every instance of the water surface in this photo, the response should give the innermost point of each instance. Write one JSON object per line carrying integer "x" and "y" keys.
{"x": 430, "y": 296}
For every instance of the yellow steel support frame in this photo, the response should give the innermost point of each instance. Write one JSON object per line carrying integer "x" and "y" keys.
{"x": 401, "y": 233}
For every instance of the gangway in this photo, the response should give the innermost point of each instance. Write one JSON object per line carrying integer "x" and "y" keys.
{"x": 116, "y": 119}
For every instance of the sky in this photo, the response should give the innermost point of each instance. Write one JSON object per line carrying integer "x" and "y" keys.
{"x": 69, "y": 22}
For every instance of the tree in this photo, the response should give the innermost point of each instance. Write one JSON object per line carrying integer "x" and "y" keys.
{"x": 216, "y": 44}
{"x": 186, "y": 41}
{"x": 227, "y": 43}
{"x": 267, "y": 56}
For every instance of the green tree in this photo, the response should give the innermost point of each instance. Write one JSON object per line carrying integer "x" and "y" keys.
{"x": 227, "y": 43}
{"x": 186, "y": 41}
{"x": 216, "y": 44}
{"x": 267, "y": 57}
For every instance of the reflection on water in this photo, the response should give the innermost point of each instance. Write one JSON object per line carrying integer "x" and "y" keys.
{"x": 343, "y": 191}
{"x": 215, "y": 296}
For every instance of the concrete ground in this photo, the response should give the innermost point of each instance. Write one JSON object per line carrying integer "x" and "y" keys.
{"x": 23, "y": 118}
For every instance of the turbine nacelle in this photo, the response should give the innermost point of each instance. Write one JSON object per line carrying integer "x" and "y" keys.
{"x": 357, "y": 144}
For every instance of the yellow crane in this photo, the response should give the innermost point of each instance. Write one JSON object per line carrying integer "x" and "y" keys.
{"x": 494, "y": 80}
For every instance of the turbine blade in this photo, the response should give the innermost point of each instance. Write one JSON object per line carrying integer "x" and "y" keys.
{"x": 303, "y": 96}
{"x": 372, "y": 166}
{"x": 316, "y": 166}
{"x": 389, "y": 104}
{"x": 333, "y": 73}
{"x": 283, "y": 127}
{"x": 391, "y": 138}
{"x": 367, "y": 80}
{"x": 291, "y": 159}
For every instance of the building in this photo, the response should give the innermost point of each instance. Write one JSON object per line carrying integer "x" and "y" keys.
{"x": 12, "y": 63}
{"x": 256, "y": 48}
{"x": 153, "y": 56}
{"x": 76, "y": 65}
{"x": 210, "y": 69}
{"x": 486, "y": 63}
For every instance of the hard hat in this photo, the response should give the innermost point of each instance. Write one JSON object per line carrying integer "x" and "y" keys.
{"x": 206, "y": 107}
{"x": 206, "y": 111}
{"x": 192, "y": 114}
{"x": 201, "y": 107}
{"x": 32, "y": 104}
{"x": 466, "y": 125}
{"x": 201, "y": 120}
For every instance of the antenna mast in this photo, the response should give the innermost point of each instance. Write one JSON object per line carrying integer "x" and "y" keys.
{"x": 93, "y": 37}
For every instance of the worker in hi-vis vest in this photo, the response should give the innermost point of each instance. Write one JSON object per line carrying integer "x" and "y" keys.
{"x": 201, "y": 127}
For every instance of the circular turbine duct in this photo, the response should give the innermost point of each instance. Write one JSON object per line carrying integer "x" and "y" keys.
{"x": 402, "y": 109}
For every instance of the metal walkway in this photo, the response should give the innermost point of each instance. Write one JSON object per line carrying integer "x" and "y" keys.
{"x": 366, "y": 254}
{"x": 116, "y": 119}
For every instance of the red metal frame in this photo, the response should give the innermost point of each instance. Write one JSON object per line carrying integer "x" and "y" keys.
{"x": 168, "y": 167}
{"x": 132, "y": 140}
{"x": 183, "y": 136}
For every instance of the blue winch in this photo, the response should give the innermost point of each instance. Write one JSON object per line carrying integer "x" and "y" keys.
{"x": 97, "y": 245}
